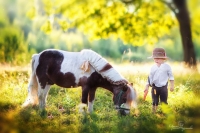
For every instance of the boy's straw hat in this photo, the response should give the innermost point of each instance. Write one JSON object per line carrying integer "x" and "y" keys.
{"x": 159, "y": 53}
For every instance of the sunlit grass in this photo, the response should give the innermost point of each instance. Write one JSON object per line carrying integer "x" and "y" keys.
{"x": 183, "y": 105}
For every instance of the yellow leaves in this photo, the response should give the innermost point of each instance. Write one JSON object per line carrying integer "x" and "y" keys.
{"x": 169, "y": 113}
{"x": 195, "y": 17}
{"x": 103, "y": 19}
{"x": 31, "y": 13}
{"x": 152, "y": 40}
{"x": 47, "y": 28}
{"x": 64, "y": 25}
{"x": 48, "y": 6}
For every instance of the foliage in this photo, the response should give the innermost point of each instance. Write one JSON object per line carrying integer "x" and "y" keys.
{"x": 66, "y": 21}
{"x": 137, "y": 23}
{"x": 12, "y": 44}
{"x": 182, "y": 109}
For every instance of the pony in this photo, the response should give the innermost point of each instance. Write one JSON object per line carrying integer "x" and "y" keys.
{"x": 87, "y": 69}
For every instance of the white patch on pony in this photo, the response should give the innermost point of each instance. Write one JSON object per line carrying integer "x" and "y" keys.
{"x": 98, "y": 62}
{"x": 90, "y": 106}
{"x": 94, "y": 59}
{"x": 72, "y": 63}
{"x": 113, "y": 76}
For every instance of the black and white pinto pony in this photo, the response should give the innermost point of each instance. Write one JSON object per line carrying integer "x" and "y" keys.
{"x": 72, "y": 69}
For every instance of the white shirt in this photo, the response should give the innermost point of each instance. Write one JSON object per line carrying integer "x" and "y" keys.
{"x": 160, "y": 75}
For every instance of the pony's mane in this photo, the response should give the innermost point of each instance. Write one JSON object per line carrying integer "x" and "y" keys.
{"x": 132, "y": 96}
{"x": 98, "y": 63}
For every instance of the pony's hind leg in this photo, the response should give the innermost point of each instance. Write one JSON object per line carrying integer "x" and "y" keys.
{"x": 84, "y": 99}
{"x": 42, "y": 95}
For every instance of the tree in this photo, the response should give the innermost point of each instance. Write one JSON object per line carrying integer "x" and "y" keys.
{"x": 135, "y": 22}
{"x": 179, "y": 7}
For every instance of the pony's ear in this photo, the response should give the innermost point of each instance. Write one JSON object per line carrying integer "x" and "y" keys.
{"x": 125, "y": 88}
{"x": 131, "y": 84}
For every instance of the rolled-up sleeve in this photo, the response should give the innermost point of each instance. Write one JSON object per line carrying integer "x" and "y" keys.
{"x": 150, "y": 77}
{"x": 170, "y": 75}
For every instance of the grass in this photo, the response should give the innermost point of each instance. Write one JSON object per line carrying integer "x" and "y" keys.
{"x": 180, "y": 115}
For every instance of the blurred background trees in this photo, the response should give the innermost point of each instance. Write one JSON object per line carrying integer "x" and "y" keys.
{"x": 12, "y": 44}
{"x": 179, "y": 8}
{"x": 117, "y": 29}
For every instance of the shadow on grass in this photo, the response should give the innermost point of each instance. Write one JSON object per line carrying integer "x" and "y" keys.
{"x": 6, "y": 106}
{"x": 190, "y": 118}
{"x": 28, "y": 120}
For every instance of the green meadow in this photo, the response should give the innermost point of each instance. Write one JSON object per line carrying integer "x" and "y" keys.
{"x": 182, "y": 115}
{"x": 122, "y": 31}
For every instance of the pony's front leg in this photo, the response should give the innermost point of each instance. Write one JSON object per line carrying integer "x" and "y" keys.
{"x": 84, "y": 100}
{"x": 91, "y": 100}
{"x": 42, "y": 95}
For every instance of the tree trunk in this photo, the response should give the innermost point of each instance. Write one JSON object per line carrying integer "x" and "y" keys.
{"x": 183, "y": 18}
{"x": 39, "y": 6}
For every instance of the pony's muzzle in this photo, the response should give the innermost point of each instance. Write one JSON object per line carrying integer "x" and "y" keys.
{"x": 123, "y": 111}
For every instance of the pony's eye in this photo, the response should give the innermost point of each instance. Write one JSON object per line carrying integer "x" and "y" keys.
{"x": 125, "y": 88}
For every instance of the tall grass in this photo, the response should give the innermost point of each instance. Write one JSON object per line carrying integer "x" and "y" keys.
{"x": 181, "y": 115}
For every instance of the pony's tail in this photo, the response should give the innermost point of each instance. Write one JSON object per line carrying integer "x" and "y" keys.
{"x": 33, "y": 85}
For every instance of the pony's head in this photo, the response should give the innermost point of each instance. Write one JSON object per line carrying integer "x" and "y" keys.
{"x": 124, "y": 98}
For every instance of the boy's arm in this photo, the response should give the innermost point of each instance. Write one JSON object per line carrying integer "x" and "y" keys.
{"x": 171, "y": 85}
{"x": 171, "y": 79}
{"x": 147, "y": 85}
{"x": 146, "y": 88}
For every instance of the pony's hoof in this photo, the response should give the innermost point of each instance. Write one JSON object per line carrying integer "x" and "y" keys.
{"x": 83, "y": 108}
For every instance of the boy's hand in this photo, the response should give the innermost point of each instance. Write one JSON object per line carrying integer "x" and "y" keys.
{"x": 171, "y": 89}
{"x": 146, "y": 88}
{"x": 145, "y": 94}
{"x": 171, "y": 85}
{"x": 146, "y": 91}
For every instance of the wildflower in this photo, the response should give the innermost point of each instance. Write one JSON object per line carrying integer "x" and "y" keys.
{"x": 50, "y": 116}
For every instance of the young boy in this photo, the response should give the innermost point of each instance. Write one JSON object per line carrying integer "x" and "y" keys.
{"x": 158, "y": 78}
